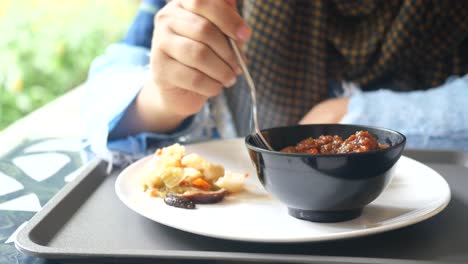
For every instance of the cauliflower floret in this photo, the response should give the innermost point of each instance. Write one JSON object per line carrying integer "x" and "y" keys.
{"x": 172, "y": 176}
{"x": 169, "y": 161}
{"x": 191, "y": 174}
{"x": 193, "y": 161}
{"x": 212, "y": 171}
{"x": 173, "y": 150}
{"x": 150, "y": 176}
{"x": 169, "y": 156}
{"x": 209, "y": 170}
{"x": 232, "y": 182}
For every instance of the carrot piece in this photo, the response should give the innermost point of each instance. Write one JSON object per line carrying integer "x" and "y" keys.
{"x": 201, "y": 183}
{"x": 158, "y": 152}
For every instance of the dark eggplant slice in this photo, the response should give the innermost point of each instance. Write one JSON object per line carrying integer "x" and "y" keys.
{"x": 204, "y": 197}
{"x": 179, "y": 201}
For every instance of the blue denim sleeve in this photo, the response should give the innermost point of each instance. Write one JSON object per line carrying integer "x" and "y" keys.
{"x": 114, "y": 81}
{"x": 140, "y": 32}
{"x": 435, "y": 119}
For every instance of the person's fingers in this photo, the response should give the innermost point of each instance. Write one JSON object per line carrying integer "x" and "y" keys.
{"x": 176, "y": 74}
{"x": 232, "y": 3}
{"x": 222, "y": 14}
{"x": 198, "y": 56}
{"x": 201, "y": 30}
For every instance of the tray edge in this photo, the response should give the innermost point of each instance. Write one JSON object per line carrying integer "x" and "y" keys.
{"x": 23, "y": 241}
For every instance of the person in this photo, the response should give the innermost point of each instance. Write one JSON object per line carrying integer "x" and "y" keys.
{"x": 174, "y": 78}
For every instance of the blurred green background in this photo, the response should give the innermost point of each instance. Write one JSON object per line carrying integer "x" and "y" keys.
{"x": 46, "y": 47}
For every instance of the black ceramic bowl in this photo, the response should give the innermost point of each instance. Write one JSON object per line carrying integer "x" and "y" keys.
{"x": 325, "y": 187}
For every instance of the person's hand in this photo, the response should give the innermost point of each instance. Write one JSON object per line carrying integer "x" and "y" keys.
{"x": 191, "y": 59}
{"x": 329, "y": 111}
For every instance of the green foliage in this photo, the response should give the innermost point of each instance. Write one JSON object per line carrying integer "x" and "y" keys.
{"x": 47, "y": 46}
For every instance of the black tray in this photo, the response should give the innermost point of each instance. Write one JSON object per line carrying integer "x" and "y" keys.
{"x": 87, "y": 222}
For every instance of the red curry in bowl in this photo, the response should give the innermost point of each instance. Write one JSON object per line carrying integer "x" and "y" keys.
{"x": 361, "y": 141}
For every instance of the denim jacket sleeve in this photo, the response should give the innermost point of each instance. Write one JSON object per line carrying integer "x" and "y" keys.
{"x": 436, "y": 118}
{"x": 115, "y": 79}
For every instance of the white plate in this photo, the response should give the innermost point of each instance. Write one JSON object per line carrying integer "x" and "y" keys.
{"x": 415, "y": 193}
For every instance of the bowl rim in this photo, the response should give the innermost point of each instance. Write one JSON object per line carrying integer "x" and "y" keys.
{"x": 275, "y": 152}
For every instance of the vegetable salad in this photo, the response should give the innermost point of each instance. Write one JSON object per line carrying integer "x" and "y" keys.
{"x": 172, "y": 171}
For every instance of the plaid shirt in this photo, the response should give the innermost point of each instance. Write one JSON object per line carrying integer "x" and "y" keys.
{"x": 298, "y": 47}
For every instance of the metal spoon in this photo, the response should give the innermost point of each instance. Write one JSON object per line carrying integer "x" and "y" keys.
{"x": 258, "y": 137}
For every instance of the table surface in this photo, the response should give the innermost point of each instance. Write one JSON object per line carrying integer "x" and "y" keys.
{"x": 50, "y": 136}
